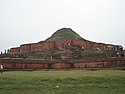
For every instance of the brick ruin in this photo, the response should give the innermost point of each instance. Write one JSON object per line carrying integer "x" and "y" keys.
{"x": 57, "y": 45}
{"x": 64, "y": 49}
{"x": 64, "y": 45}
{"x": 23, "y": 64}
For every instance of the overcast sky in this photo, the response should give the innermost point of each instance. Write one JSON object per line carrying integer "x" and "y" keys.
{"x": 29, "y": 21}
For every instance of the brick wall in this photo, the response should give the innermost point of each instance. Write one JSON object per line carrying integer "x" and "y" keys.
{"x": 37, "y": 64}
{"x": 25, "y": 48}
{"x": 52, "y": 45}
{"x": 15, "y": 50}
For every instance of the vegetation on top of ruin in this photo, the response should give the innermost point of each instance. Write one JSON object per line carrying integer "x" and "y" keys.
{"x": 63, "y": 34}
{"x": 93, "y": 54}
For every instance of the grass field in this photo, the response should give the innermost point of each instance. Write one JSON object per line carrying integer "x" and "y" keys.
{"x": 63, "y": 82}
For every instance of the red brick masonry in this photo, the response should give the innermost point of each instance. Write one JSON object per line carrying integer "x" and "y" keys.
{"x": 60, "y": 45}
{"x": 22, "y": 64}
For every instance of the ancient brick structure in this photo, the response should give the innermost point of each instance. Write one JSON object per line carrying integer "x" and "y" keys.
{"x": 53, "y": 45}
{"x": 64, "y": 49}
{"x": 15, "y": 50}
{"x": 58, "y": 41}
{"x": 22, "y": 64}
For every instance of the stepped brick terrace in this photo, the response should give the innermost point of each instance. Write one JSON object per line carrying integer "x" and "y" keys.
{"x": 64, "y": 49}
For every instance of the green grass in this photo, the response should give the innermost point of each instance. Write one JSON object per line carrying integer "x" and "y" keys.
{"x": 69, "y": 82}
{"x": 64, "y": 34}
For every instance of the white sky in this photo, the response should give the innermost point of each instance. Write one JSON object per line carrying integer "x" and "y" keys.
{"x": 28, "y": 21}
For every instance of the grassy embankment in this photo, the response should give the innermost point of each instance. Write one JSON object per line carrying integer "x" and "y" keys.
{"x": 63, "y": 82}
